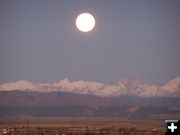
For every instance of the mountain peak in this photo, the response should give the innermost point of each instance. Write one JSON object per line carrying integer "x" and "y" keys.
{"x": 172, "y": 85}
{"x": 130, "y": 82}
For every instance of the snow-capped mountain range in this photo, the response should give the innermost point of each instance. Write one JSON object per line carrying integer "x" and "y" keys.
{"x": 125, "y": 86}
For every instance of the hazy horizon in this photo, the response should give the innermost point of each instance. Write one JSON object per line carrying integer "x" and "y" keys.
{"x": 39, "y": 41}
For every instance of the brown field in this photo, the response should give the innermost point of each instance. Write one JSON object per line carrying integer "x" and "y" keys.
{"x": 81, "y": 126}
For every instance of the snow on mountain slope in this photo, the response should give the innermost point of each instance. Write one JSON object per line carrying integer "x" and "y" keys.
{"x": 125, "y": 86}
{"x": 172, "y": 85}
{"x": 19, "y": 85}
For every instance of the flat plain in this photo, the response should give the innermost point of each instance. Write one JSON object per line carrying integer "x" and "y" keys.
{"x": 81, "y": 126}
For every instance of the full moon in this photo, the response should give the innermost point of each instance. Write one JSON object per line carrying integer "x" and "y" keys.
{"x": 85, "y": 22}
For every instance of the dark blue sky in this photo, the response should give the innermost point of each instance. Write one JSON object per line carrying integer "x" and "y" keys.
{"x": 39, "y": 41}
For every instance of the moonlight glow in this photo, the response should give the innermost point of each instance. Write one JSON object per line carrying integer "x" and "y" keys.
{"x": 85, "y": 22}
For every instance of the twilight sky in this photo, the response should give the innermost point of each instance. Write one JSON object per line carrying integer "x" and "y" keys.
{"x": 39, "y": 41}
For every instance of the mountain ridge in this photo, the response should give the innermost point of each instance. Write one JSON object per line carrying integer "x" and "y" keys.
{"x": 124, "y": 87}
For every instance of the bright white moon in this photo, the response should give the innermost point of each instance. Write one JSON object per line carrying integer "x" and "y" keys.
{"x": 85, "y": 22}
